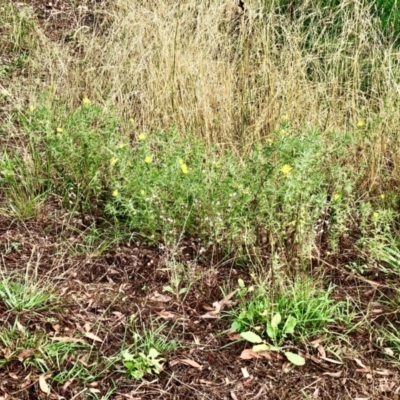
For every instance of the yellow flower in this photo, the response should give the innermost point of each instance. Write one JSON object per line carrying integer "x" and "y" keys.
{"x": 60, "y": 130}
{"x": 283, "y": 132}
{"x": 121, "y": 145}
{"x": 336, "y": 196}
{"x": 131, "y": 120}
{"x": 376, "y": 214}
{"x": 115, "y": 193}
{"x": 113, "y": 161}
{"x": 148, "y": 159}
{"x": 184, "y": 168}
{"x": 142, "y": 192}
{"x": 270, "y": 141}
{"x": 85, "y": 101}
{"x": 360, "y": 124}
{"x": 382, "y": 196}
{"x": 285, "y": 118}
{"x": 181, "y": 162}
{"x": 32, "y": 108}
{"x": 142, "y": 136}
{"x": 285, "y": 169}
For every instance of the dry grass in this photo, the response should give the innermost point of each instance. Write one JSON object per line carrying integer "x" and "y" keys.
{"x": 224, "y": 74}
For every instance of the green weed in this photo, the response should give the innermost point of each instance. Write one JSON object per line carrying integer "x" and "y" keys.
{"x": 297, "y": 311}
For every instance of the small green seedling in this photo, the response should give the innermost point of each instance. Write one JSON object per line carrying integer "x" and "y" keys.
{"x": 142, "y": 363}
{"x": 273, "y": 331}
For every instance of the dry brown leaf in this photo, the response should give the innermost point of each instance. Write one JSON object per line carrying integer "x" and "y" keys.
{"x": 331, "y": 361}
{"x": 190, "y": 362}
{"x": 364, "y": 368}
{"x": 321, "y": 351}
{"x": 234, "y": 336}
{"x": 94, "y": 391}
{"x": 248, "y": 354}
{"x": 44, "y": 387}
{"x": 167, "y": 315}
{"x": 383, "y": 372}
{"x": 160, "y": 297}
{"x": 20, "y": 327}
{"x": 93, "y": 337}
{"x": 87, "y": 327}
{"x": 67, "y": 339}
{"x": 67, "y": 384}
{"x": 333, "y": 374}
{"x": 14, "y": 376}
{"x": 233, "y": 395}
{"x": 25, "y": 354}
{"x": 206, "y": 382}
{"x": 219, "y": 305}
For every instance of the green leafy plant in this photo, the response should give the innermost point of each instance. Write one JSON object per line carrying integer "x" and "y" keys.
{"x": 142, "y": 363}
{"x": 262, "y": 346}
{"x": 297, "y": 311}
{"x": 147, "y": 353}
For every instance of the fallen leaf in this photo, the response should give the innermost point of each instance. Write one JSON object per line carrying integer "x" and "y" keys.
{"x": 383, "y": 372}
{"x": 94, "y": 391}
{"x": 67, "y": 339}
{"x": 87, "y": 327}
{"x": 44, "y": 387}
{"x": 364, "y": 368}
{"x": 295, "y": 358}
{"x": 93, "y": 337}
{"x": 206, "y": 382}
{"x": 186, "y": 361}
{"x": 248, "y": 354}
{"x": 167, "y": 315}
{"x": 234, "y": 336}
{"x": 14, "y": 376}
{"x": 321, "y": 351}
{"x": 333, "y": 374}
{"x": 331, "y": 361}
{"x": 20, "y": 327}
{"x": 25, "y": 354}
{"x": 219, "y": 305}
{"x": 266, "y": 354}
{"x": 245, "y": 373}
{"x": 160, "y": 297}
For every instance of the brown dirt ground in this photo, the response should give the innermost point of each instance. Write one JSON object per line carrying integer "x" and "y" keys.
{"x": 106, "y": 290}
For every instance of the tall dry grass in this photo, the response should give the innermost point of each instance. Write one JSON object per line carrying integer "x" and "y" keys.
{"x": 226, "y": 75}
